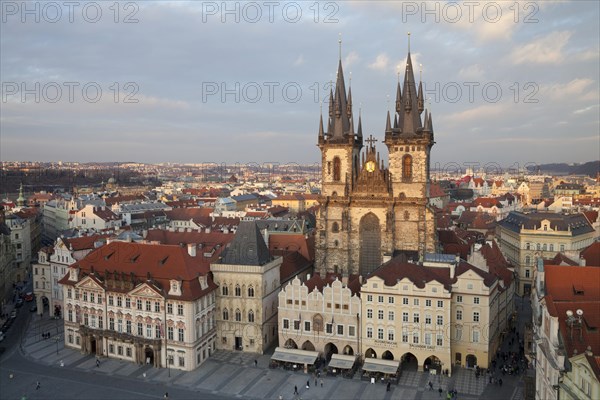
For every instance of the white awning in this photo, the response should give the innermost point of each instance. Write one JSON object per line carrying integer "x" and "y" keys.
{"x": 379, "y": 365}
{"x": 295, "y": 356}
{"x": 342, "y": 361}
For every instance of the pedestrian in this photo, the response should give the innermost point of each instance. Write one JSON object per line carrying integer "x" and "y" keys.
{"x": 280, "y": 397}
{"x": 97, "y": 363}
{"x": 37, "y": 385}
{"x": 256, "y": 363}
{"x": 295, "y": 389}
{"x": 500, "y": 381}
{"x": 430, "y": 385}
{"x": 321, "y": 382}
{"x": 315, "y": 381}
{"x": 440, "y": 391}
{"x": 387, "y": 389}
{"x": 308, "y": 384}
{"x": 166, "y": 396}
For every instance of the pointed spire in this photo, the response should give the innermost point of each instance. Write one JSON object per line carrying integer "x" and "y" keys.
{"x": 21, "y": 198}
{"x": 420, "y": 98}
{"x": 395, "y": 121}
{"x": 426, "y": 122}
{"x": 430, "y": 124}
{"x": 331, "y": 101}
{"x": 388, "y": 124}
{"x": 321, "y": 131}
{"x": 349, "y": 105}
{"x": 359, "y": 133}
{"x": 398, "y": 98}
{"x": 409, "y": 119}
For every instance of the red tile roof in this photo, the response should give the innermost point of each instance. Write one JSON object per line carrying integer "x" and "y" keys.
{"x": 159, "y": 263}
{"x": 575, "y": 288}
{"x": 591, "y": 254}
{"x": 84, "y": 242}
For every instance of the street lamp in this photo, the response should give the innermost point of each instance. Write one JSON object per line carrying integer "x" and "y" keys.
{"x": 57, "y": 338}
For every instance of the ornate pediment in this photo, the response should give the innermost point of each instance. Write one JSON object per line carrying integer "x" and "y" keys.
{"x": 145, "y": 290}
{"x": 88, "y": 283}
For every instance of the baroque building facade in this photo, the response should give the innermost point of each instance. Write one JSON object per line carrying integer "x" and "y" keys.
{"x": 370, "y": 212}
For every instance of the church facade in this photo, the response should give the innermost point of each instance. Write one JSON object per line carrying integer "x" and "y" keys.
{"x": 370, "y": 212}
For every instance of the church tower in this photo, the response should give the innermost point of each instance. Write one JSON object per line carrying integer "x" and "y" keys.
{"x": 369, "y": 213}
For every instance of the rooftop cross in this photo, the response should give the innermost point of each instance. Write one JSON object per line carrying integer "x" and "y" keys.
{"x": 371, "y": 140}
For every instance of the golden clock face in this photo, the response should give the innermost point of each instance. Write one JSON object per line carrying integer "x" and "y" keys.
{"x": 370, "y": 166}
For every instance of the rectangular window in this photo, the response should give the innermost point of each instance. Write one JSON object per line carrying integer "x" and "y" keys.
{"x": 86, "y": 320}
{"x": 380, "y": 299}
{"x": 428, "y": 339}
{"x": 111, "y": 301}
{"x": 351, "y": 330}
{"x": 181, "y": 361}
{"x": 340, "y": 329}
{"x": 119, "y": 301}
{"x": 169, "y": 308}
{"x": 440, "y": 303}
{"x": 380, "y": 314}
{"x": 85, "y": 298}
{"x": 100, "y": 322}
{"x": 459, "y": 315}
{"x": 427, "y": 319}
{"x": 390, "y": 300}
{"x": 416, "y": 302}
{"x": 170, "y": 333}
{"x": 369, "y": 313}
{"x": 140, "y": 329}
{"x": 128, "y": 326}
{"x": 475, "y": 336}
{"x": 120, "y": 350}
{"x": 69, "y": 293}
{"x": 70, "y": 315}
{"x": 391, "y": 334}
{"x": 148, "y": 305}
{"x": 148, "y": 331}
{"x": 286, "y": 324}
{"x": 179, "y": 309}
{"x": 369, "y": 332}
{"x": 390, "y": 315}
{"x": 92, "y": 297}
{"x": 296, "y": 324}
{"x": 111, "y": 348}
{"x": 416, "y": 337}
{"x": 127, "y": 302}
{"x": 475, "y": 316}
{"x": 307, "y": 326}
{"x": 440, "y": 320}
{"x": 404, "y": 337}
{"x": 138, "y": 304}
{"x": 119, "y": 325}
{"x": 405, "y": 301}
{"x": 416, "y": 318}
{"x": 380, "y": 333}
{"x": 180, "y": 335}
{"x": 156, "y": 306}
{"x": 128, "y": 352}
{"x": 329, "y": 328}
{"x": 404, "y": 317}
{"x": 440, "y": 340}
{"x": 99, "y": 299}
{"x": 369, "y": 297}
{"x": 428, "y": 303}
{"x": 475, "y": 300}
{"x": 157, "y": 331}
{"x": 459, "y": 299}
{"x": 111, "y": 324}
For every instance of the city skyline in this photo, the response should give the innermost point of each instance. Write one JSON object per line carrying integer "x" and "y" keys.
{"x": 203, "y": 95}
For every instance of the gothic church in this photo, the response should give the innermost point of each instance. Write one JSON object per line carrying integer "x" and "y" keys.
{"x": 369, "y": 212}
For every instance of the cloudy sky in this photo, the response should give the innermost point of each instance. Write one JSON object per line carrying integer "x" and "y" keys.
{"x": 242, "y": 82}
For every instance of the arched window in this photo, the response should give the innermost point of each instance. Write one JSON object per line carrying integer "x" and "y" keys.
{"x": 407, "y": 167}
{"x": 318, "y": 323}
{"x": 250, "y": 316}
{"x": 337, "y": 169}
{"x": 238, "y": 291}
{"x": 225, "y": 290}
{"x": 250, "y": 291}
{"x": 335, "y": 227}
{"x": 527, "y": 260}
{"x": 225, "y": 315}
{"x": 238, "y": 315}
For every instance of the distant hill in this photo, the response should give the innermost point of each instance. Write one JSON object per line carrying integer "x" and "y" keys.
{"x": 591, "y": 168}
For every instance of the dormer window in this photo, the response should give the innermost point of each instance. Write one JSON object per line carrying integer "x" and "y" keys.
{"x": 175, "y": 288}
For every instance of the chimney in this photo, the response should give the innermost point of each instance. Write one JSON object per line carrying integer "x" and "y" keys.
{"x": 191, "y": 249}
{"x": 345, "y": 279}
{"x": 582, "y": 261}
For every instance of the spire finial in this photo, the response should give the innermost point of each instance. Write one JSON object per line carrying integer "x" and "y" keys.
{"x": 350, "y": 80}
{"x": 340, "y": 44}
{"x": 359, "y": 109}
{"x": 388, "y": 101}
{"x": 321, "y": 107}
{"x": 420, "y": 72}
{"x": 409, "y": 42}
{"x": 398, "y": 72}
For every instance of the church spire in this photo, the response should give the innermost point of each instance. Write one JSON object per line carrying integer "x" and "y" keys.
{"x": 420, "y": 98}
{"x": 359, "y": 133}
{"x": 388, "y": 124}
{"x": 410, "y": 120}
{"x": 340, "y": 106}
{"x": 21, "y": 198}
